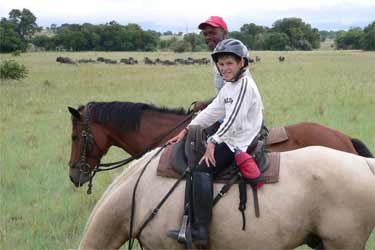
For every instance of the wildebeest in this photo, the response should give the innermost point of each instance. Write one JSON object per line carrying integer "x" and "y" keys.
{"x": 147, "y": 60}
{"x": 110, "y": 61}
{"x": 100, "y": 59}
{"x": 86, "y": 61}
{"x": 129, "y": 61}
{"x": 67, "y": 60}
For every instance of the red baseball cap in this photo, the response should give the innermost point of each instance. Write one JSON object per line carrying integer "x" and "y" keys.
{"x": 214, "y": 21}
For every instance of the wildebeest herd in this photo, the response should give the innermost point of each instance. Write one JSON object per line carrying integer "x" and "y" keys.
{"x": 148, "y": 61}
{"x": 132, "y": 61}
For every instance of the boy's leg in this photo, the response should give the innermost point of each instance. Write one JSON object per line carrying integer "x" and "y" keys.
{"x": 202, "y": 192}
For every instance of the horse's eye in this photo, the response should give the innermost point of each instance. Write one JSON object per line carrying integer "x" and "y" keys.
{"x": 74, "y": 137}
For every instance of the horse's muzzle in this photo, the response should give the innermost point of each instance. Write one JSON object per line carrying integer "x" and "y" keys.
{"x": 79, "y": 174}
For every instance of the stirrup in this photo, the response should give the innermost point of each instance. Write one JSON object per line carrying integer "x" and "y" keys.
{"x": 184, "y": 234}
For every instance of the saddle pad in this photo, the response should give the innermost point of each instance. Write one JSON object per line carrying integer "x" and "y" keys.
{"x": 276, "y": 135}
{"x": 165, "y": 169}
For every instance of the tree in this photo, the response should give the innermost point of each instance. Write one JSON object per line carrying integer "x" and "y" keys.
{"x": 195, "y": 41}
{"x": 43, "y": 41}
{"x": 259, "y": 41}
{"x": 71, "y": 38}
{"x": 368, "y": 38}
{"x": 275, "y": 41}
{"x": 253, "y": 29}
{"x": 181, "y": 46}
{"x": 350, "y": 39}
{"x": 168, "y": 33}
{"x": 246, "y": 38}
{"x": 10, "y": 40}
{"x": 25, "y": 22}
{"x": 53, "y": 28}
{"x": 301, "y": 35}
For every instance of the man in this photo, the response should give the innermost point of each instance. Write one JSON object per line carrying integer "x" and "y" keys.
{"x": 214, "y": 30}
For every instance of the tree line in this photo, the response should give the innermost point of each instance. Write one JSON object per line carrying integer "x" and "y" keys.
{"x": 20, "y": 30}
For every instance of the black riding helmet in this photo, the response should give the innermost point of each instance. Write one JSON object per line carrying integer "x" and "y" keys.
{"x": 231, "y": 46}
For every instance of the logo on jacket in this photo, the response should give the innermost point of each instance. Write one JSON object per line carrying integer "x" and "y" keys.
{"x": 228, "y": 100}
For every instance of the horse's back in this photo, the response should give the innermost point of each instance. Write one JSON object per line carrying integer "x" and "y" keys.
{"x": 307, "y": 134}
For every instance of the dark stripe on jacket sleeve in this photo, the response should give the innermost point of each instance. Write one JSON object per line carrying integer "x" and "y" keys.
{"x": 235, "y": 110}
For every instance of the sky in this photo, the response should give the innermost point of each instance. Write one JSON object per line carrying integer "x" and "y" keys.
{"x": 184, "y": 16}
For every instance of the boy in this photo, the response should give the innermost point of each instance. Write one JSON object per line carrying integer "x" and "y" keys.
{"x": 240, "y": 104}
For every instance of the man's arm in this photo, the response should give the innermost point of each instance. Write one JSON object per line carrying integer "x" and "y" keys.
{"x": 199, "y": 106}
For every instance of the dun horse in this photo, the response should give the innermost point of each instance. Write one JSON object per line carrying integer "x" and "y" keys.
{"x": 139, "y": 127}
{"x": 321, "y": 191}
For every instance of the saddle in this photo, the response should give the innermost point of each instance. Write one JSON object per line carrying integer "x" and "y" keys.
{"x": 177, "y": 157}
{"x": 180, "y": 159}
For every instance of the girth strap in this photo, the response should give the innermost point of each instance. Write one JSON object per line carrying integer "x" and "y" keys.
{"x": 256, "y": 201}
{"x": 243, "y": 201}
{"x": 225, "y": 188}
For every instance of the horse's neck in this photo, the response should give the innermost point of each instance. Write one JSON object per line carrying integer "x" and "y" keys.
{"x": 155, "y": 128}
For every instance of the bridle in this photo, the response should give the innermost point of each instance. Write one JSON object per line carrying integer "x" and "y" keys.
{"x": 87, "y": 146}
{"x": 89, "y": 141}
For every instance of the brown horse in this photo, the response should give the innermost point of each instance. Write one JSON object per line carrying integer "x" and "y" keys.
{"x": 139, "y": 127}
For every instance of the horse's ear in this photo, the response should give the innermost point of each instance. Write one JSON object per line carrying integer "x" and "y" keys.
{"x": 74, "y": 112}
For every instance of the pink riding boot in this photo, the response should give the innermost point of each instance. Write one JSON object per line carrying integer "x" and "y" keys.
{"x": 248, "y": 167}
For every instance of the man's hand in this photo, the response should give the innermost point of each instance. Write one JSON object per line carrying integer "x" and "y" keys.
{"x": 178, "y": 137}
{"x": 198, "y": 106}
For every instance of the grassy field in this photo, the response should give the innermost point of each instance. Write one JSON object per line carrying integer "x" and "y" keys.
{"x": 39, "y": 206}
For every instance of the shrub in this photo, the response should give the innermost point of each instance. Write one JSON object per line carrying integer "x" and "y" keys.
{"x": 10, "y": 69}
{"x": 16, "y": 53}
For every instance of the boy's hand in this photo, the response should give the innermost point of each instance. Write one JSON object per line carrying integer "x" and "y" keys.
{"x": 208, "y": 156}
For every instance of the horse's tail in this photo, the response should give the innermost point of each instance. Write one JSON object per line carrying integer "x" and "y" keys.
{"x": 361, "y": 148}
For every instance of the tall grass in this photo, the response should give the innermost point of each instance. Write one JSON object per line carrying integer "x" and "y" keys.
{"x": 40, "y": 207}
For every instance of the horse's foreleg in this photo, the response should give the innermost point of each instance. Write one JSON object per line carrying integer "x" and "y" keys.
{"x": 100, "y": 238}
{"x": 107, "y": 228}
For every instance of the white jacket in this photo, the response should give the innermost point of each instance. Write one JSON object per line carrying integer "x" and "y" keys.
{"x": 241, "y": 106}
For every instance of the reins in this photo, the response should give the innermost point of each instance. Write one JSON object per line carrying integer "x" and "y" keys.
{"x": 112, "y": 165}
{"x": 131, "y": 240}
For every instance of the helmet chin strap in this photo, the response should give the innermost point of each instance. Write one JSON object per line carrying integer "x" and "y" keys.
{"x": 239, "y": 74}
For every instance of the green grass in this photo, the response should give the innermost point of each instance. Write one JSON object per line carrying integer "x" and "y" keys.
{"x": 40, "y": 208}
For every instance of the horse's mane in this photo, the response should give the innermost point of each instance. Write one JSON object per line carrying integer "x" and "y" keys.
{"x": 125, "y": 116}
